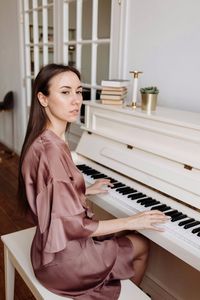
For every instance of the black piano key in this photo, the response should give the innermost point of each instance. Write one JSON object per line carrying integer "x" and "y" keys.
{"x": 136, "y": 192}
{"x": 127, "y": 192}
{"x": 79, "y": 166}
{"x": 137, "y": 196}
{"x": 150, "y": 203}
{"x": 82, "y": 167}
{"x": 95, "y": 174}
{"x": 195, "y": 230}
{"x": 145, "y": 200}
{"x": 186, "y": 222}
{"x": 171, "y": 212}
{"x": 180, "y": 217}
{"x": 116, "y": 185}
{"x": 122, "y": 189}
{"x": 165, "y": 208}
{"x": 131, "y": 190}
{"x": 191, "y": 224}
{"x": 176, "y": 214}
{"x": 98, "y": 176}
{"x": 85, "y": 168}
{"x": 141, "y": 200}
{"x": 161, "y": 207}
{"x": 90, "y": 172}
{"x": 198, "y": 234}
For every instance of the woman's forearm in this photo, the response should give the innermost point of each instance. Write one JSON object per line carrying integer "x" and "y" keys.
{"x": 146, "y": 220}
{"x": 110, "y": 226}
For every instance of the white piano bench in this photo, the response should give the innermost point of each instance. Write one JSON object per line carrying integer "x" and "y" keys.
{"x": 17, "y": 256}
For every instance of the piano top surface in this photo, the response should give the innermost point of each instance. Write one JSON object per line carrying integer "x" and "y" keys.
{"x": 164, "y": 114}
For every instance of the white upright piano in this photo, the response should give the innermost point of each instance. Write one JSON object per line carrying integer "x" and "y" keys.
{"x": 153, "y": 161}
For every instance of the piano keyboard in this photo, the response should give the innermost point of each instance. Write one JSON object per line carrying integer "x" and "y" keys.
{"x": 182, "y": 225}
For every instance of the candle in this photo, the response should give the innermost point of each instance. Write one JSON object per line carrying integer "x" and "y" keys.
{"x": 135, "y": 87}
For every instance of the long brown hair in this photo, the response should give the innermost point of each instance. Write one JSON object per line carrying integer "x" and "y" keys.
{"x": 38, "y": 119}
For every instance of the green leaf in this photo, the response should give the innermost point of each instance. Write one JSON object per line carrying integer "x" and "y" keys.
{"x": 149, "y": 90}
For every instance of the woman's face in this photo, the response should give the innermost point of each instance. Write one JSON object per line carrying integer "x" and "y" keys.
{"x": 65, "y": 98}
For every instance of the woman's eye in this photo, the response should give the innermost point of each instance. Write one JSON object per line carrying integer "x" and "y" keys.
{"x": 79, "y": 92}
{"x": 65, "y": 92}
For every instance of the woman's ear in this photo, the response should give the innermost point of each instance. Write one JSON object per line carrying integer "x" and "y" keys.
{"x": 42, "y": 99}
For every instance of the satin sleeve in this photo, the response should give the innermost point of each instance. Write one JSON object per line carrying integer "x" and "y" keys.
{"x": 62, "y": 216}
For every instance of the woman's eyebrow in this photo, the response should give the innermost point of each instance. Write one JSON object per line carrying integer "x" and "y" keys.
{"x": 69, "y": 87}
{"x": 66, "y": 86}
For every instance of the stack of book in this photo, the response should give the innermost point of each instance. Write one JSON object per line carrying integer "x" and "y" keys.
{"x": 114, "y": 91}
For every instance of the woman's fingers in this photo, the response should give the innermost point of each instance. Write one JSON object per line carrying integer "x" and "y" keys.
{"x": 148, "y": 220}
{"x": 100, "y": 186}
{"x": 157, "y": 219}
{"x": 160, "y": 219}
{"x": 157, "y": 215}
{"x": 104, "y": 182}
{"x": 154, "y": 212}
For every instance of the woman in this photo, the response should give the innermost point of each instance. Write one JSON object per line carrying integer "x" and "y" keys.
{"x": 71, "y": 253}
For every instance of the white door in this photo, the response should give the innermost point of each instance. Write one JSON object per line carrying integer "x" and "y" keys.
{"x": 38, "y": 23}
{"x": 84, "y": 33}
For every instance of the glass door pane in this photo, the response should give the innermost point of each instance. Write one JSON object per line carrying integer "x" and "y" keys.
{"x": 72, "y": 21}
{"x": 102, "y": 62}
{"x": 87, "y": 20}
{"x": 86, "y": 63}
{"x": 104, "y": 18}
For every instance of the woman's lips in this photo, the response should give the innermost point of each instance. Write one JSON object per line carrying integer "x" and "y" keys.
{"x": 75, "y": 111}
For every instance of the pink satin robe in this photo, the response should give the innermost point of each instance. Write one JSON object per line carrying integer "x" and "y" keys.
{"x": 65, "y": 259}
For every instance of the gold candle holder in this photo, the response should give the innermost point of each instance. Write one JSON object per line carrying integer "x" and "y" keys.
{"x": 135, "y": 86}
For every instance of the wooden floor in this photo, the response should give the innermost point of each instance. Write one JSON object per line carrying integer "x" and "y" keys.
{"x": 10, "y": 220}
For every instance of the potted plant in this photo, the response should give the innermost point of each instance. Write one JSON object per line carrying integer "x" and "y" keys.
{"x": 149, "y": 97}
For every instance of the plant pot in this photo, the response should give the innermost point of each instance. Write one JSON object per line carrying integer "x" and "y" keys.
{"x": 149, "y": 102}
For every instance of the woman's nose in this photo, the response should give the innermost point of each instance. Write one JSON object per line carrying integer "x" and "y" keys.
{"x": 77, "y": 98}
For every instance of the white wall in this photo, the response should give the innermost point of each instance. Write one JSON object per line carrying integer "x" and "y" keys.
{"x": 164, "y": 42}
{"x": 10, "y": 73}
